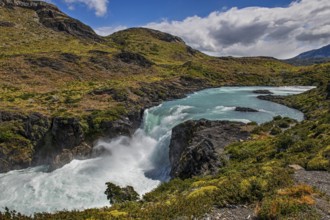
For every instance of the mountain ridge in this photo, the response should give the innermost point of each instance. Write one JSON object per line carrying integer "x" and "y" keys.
{"x": 320, "y": 55}
{"x": 316, "y": 53}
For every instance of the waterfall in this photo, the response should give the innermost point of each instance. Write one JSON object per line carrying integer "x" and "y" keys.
{"x": 141, "y": 161}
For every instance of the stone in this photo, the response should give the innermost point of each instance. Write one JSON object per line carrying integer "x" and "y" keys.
{"x": 245, "y": 109}
{"x": 296, "y": 167}
{"x": 263, "y": 91}
{"x": 197, "y": 147}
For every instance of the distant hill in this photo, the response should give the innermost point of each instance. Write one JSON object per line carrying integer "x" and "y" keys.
{"x": 323, "y": 52}
{"x": 320, "y": 55}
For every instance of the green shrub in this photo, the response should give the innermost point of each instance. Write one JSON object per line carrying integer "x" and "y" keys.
{"x": 116, "y": 194}
{"x": 275, "y": 131}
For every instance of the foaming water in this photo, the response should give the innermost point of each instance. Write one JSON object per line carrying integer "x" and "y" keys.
{"x": 141, "y": 160}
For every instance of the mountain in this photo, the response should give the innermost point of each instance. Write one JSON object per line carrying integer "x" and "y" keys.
{"x": 320, "y": 55}
{"x": 323, "y": 52}
{"x": 62, "y": 87}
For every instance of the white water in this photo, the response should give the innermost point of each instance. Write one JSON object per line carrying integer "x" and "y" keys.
{"x": 140, "y": 161}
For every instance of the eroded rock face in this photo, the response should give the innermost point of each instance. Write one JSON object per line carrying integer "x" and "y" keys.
{"x": 83, "y": 151}
{"x": 19, "y": 135}
{"x": 67, "y": 132}
{"x": 197, "y": 147}
{"x": 134, "y": 58}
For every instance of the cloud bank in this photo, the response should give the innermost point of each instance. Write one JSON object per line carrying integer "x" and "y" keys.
{"x": 256, "y": 31}
{"x": 99, "y": 6}
{"x": 104, "y": 31}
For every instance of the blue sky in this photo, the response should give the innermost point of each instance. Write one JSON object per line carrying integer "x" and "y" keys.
{"x": 140, "y": 12}
{"x": 277, "y": 28}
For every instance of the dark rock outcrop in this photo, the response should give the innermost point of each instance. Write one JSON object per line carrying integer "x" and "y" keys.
{"x": 47, "y": 62}
{"x": 67, "y": 132}
{"x": 134, "y": 58}
{"x": 80, "y": 152}
{"x": 271, "y": 98}
{"x": 6, "y": 24}
{"x": 197, "y": 147}
{"x": 62, "y": 143}
{"x": 20, "y": 133}
{"x": 245, "y": 109}
{"x": 69, "y": 57}
{"x": 263, "y": 91}
{"x": 117, "y": 95}
{"x": 165, "y": 36}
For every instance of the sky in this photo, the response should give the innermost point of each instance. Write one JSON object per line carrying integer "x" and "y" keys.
{"x": 278, "y": 28}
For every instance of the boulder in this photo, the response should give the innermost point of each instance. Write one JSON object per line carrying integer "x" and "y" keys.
{"x": 197, "y": 147}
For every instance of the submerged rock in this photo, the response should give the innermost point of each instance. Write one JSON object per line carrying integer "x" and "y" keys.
{"x": 245, "y": 109}
{"x": 197, "y": 147}
{"x": 263, "y": 91}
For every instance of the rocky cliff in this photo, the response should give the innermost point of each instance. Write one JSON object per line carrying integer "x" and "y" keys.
{"x": 197, "y": 147}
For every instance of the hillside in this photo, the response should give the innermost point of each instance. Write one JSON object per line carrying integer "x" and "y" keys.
{"x": 320, "y": 55}
{"x": 323, "y": 52}
{"x": 62, "y": 87}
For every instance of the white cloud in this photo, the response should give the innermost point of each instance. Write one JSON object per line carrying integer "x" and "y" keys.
{"x": 256, "y": 31}
{"x": 105, "y": 31}
{"x": 100, "y": 6}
